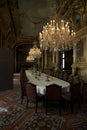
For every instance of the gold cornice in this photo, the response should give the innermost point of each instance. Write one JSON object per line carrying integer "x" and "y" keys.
{"x": 25, "y": 39}
{"x": 80, "y": 65}
{"x": 82, "y": 32}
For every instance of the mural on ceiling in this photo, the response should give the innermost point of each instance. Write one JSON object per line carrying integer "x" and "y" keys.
{"x": 34, "y": 15}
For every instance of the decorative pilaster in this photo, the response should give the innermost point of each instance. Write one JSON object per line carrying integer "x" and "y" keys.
{"x": 42, "y": 61}
{"x": 53, "y": 57}
{"x": 45, "y": 66}
{"x": 56, "y": 59}
{"x": 74, "y": 60}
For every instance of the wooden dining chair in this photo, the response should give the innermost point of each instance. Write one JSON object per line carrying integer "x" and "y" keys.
{"x": 57, "y": 74}
{"x": 60, "y": 75}
{"x": 70, "y": 79}
{"x": 23, "y": 81}
{"x": 76, "y": 79}
{"x": 83, "y": 92}
{"x": 65, "y": 76}
{"x": 32, "y": 95}
{"x": 73, "y": 96}
{"x": 53, "y": 96}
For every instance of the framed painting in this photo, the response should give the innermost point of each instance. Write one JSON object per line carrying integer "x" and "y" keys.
{"x": 80, "y": 51}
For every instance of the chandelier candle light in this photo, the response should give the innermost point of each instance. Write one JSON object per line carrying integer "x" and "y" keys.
{"x": 34, "y": 54}
{"x": 30, "y": 58}
{"x": 57, "y": 36}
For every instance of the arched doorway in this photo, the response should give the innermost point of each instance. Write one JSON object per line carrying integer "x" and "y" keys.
{"x": 20, "y": 54}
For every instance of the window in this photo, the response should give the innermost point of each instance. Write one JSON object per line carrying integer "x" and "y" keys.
{"x": 63, "y": 61}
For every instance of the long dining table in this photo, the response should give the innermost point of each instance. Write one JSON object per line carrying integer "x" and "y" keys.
{"x": 43, "y": 80}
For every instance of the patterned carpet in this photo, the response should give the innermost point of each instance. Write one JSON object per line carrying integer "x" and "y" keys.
{"x": 9, "y": 114}
{"x": 14, "y": 116}
{"x": 40, "y": 121}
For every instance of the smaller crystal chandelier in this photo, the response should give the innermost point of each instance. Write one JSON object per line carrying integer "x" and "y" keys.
{"x": 56, "y": 35}
{"x": 34, "y": 56}
{"x": 35, "y": 52}
{"x": 30, "y": 58}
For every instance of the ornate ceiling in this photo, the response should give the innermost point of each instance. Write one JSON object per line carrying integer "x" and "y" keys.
{"x": 25, "y": 18}
{"x": 75, "y": 11}
{"x": 33, "y": 14}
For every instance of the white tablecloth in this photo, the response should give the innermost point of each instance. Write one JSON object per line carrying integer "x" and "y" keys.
{"x": 41, "y": 81}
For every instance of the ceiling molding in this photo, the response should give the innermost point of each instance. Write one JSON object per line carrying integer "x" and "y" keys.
{"x": 10, "y": 12}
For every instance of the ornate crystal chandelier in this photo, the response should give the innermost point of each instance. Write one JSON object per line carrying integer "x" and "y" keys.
{"x": 35, "y": 52}
{"x": 56, "y": 35}
{"x": 34, "y": 56}
{"x": 30, "y": 58}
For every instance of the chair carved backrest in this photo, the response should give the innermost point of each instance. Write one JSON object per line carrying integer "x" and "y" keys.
{"x": 76, "y": 79}
{"x": 53, "y": 92}
{"x": 53, "y": 95}
{"x": 73, "y": 96}
{"x": 31, "y": 91}
{"x": 23, "y": 81}
{"x": 75, "y": 91}
{"x": 84, "y": 87}
{"x": 70, "y": 78}
{"x": 57, "y": 74}
{"x": 65, "y": 76}
{"x": 32, "y": 95}
{"x": 23, "y": 77}
{"x": 84, "y": 91}
{"x": 60, "y": 75}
